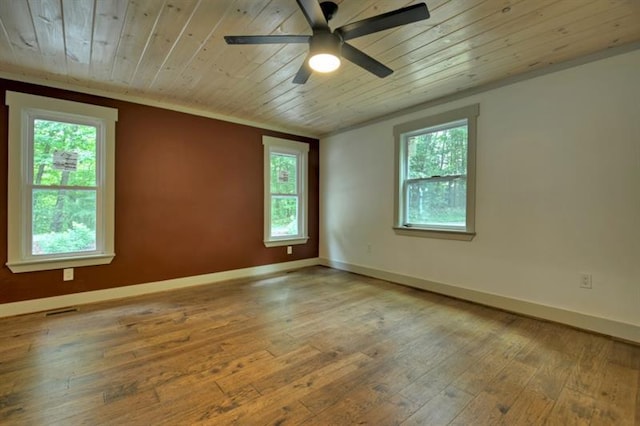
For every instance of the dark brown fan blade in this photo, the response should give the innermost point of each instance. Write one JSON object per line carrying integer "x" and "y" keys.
{"x": 313, "y": 12}
{"x": 385, "y": 21}
{"x": 365, "y": 61}
{"x": 267, "y": 39}
{"x": 303, "y": 73}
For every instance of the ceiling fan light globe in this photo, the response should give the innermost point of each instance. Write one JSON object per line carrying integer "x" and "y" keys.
{"x": 324, "y": 62}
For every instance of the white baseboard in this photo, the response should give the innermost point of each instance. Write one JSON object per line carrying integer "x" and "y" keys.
{"x": 57, "y": 302}
{"x": 621, "y": 330}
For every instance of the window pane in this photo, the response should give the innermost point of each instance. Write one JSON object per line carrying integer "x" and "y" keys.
{"x": 440, "y": 203}
{"x": 437, "y": 153}
{"x": 284, "y": 216}
{"x": 283, "y": 174}
{"x": 64, "y": 153}
{"x": 63, "y": 221}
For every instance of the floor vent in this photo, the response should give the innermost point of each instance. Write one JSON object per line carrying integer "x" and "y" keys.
{"x": 60, "y": 312}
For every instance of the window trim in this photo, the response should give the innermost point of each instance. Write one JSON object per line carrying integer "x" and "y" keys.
{"x": 442, "y": 120}
{"x": 301, "y": 151}
{"x": 22, "y": 107}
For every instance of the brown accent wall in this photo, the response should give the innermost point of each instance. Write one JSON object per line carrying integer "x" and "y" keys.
{"x": 189, "y": 200}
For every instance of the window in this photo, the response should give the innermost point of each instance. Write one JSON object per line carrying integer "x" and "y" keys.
{"x": 61, "y": 183}
{"x": 435, "y": 175}
{"x": 285, "y": 192}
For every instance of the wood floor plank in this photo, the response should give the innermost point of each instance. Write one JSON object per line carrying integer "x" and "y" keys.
{"x": 637, "y": 421}
{"x": 54, "y": 413}
{"x": 265, "y": 371}
{"x": 441, "y": 409}
{"x": 551, "y": 376}
{"x": 616, "y": 397}
{"x": 348, "y": 409}
{"x": 531, "y": 407}
{"x": 274, "y": 401}
{"x": 391, "y": 371}
{"x": 173, "y": 408}
{"x": 572, "y": 408}
{"x": 202, "y": 408}
{"x": 534, "y": 403}
{"x": 391, "y": 411}
{"x": 470, "y": 350}
{"x": 324, "y": 397}
{"x": 484, "y": 370}
{"x": 314, "y": 346}
{"x": 624, "y": 355}
{"x": 495, "y": 400}
{"x": 590, "y": 368}
{"x": 295, "y": 371}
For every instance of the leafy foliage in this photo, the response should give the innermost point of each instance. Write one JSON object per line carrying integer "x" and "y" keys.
{"x": 63, "y": 201}
{"x": 436, "y": 172}
{"x": 50, "y": 136}
{"x": 78, "y": 238}
{"x": 284, "y": 199}
{"x": 284, "y": 216}
{"x": 284, "y": 170}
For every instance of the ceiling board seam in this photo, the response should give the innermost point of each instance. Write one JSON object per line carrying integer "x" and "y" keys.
{"x": 211, "y": 61}
{"x": 557, "y": 67}
{"x": 146, "y": 45}
{"x": 439, "y": 77}
{"x": 35, "y": 33}
{"x": 6, "y": 35}
{"x": 175, "y": 43}
{"x": 206, "y": 40}
{"x": 93, "y": 31}
{"x": 457, "y": 29}
{"x": 64, "y": 38}
{"x": 33, "y": 22}
{"x": 409, "y": 79}
{"x": 301, "y": 100}
{"x": 276, "y": 72}
{"x": 117, "y": 49}
{"x": 399, "y": 68}
{"x": 156, "y": 104}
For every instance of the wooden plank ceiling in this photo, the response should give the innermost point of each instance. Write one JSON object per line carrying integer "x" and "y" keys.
{"x": 173, "y": 51}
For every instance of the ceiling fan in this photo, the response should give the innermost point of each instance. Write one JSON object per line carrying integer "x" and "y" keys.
{"x": 326, "y": 47}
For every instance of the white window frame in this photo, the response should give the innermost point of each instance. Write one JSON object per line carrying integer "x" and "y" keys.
{"x": 23, "y": 109}
{"x": 301, "y": 151}
{"x": 441, "y": 121}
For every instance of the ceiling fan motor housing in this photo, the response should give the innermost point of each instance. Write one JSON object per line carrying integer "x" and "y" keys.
{"x": 325, "y": 42}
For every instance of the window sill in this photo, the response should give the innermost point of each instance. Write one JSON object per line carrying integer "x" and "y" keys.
{"x": 291, "y": 242}
{"x": 59, "y": 263}
{"x": 442, "y": 234}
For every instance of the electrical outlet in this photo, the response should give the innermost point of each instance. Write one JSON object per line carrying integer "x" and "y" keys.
{"x": 368, "y": 248}
{"x": 289, "y": 250}
{"x": 67, "y": 274}
{"x": 585, "y": 281}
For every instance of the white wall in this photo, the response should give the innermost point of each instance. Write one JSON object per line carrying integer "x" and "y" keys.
{"x": 558, "y": 194}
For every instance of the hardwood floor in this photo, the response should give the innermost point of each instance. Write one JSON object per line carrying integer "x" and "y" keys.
{"x": 313, "y": 347}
